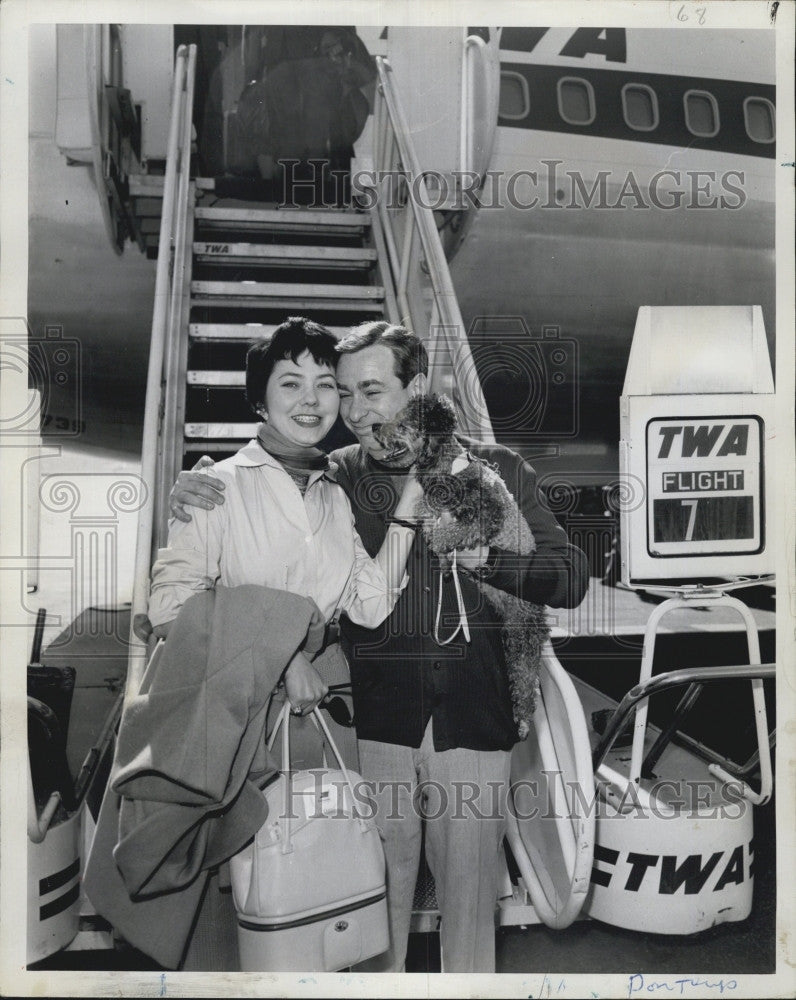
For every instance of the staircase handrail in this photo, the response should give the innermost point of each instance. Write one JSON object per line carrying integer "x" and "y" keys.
{"x": 95, "y": 43}
{"x": 175, "y": 186}
{"x": 473, "y": 417}
{"x": 476, "y": 54}
{"x": 647, "y": 688}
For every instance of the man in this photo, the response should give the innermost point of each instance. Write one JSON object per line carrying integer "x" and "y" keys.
{"x": 434, "y": 722}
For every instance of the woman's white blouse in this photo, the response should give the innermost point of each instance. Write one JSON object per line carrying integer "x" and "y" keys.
{"x": 266, "y": 533}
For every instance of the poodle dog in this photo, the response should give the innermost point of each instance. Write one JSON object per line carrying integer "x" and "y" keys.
{"x": 466, "y": 504}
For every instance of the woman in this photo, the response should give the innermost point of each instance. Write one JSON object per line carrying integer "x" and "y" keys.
{"x": 184, "y": 792}
{"x": 285, "y": 523}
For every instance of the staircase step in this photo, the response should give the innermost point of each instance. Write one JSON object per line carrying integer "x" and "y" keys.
{"x": 282, "y": 219}
{"x": 265, "y": 294}
{"x": 285, "y": 255}
{"x": 266, "y": 289}
{"x": 220, "y": 378}
{"x": 244, "y": 331}
{"x": 148, "y": 206}
{"x": 361, "y": 311}
{"x": 151, "y": 185}
{"x": 230, "y": 432}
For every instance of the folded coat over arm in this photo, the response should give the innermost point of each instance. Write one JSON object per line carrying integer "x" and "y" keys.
{"x": 184, "y": 791}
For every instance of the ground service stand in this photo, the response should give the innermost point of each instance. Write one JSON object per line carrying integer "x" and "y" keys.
{"x": 674, "y": 842}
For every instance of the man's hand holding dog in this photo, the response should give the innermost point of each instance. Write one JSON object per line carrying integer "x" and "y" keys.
{"x": 472, "y": 558}
{"x": 467, "y": 559}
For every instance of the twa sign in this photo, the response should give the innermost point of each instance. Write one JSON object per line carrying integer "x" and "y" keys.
{"x": 672, "y": 875}
{"x": 702, "y": 440}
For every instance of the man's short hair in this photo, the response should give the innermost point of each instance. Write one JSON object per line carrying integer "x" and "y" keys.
{"x": 290, "y": 340}
{"x": 407, "y": 349}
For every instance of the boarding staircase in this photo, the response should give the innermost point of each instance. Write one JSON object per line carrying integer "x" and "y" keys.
{"x": 251, "y": 267}
{"x": 229, "y": 272}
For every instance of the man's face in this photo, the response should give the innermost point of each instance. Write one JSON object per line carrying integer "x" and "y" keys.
{"x": 370, "y": 393}
{"x": 332, "y": 48}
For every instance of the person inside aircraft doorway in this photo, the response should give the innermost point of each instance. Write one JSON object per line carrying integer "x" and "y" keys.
{"x": 292, "y": 129}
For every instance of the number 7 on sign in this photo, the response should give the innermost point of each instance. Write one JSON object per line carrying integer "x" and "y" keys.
{"x": 689, "y": 531}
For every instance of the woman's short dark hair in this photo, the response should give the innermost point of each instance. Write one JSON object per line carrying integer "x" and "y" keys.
{"x": 407, "y": 349}
{"x": 290, "y": 340}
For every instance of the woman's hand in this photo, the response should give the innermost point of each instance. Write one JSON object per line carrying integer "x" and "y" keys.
{"x": 303, "y": 685}
{"x": 400, "y": 536}
{"x": 162, "y": 631}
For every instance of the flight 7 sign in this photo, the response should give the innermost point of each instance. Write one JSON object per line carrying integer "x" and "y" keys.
{"x": 704, "y": 486}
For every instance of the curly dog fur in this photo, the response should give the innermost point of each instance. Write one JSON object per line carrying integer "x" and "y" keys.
{"x": 466, "y": 504}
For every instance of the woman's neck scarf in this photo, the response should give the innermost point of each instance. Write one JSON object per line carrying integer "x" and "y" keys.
{"x": 296, "y": 457}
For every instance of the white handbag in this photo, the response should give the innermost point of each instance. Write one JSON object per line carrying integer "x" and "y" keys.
{"x": 309, "y": 889}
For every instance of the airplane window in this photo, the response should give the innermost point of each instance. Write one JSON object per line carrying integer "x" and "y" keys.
{"x": 576, "y": 101}
{"x": 701, "y": 113}
{"x": 515, "y": 100}
{"x": 760, "y": 119}
{"x": 640, "y": 106}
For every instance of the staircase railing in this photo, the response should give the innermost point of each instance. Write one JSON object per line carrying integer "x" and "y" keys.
{"x": 424, "y": 290}
{"x": 480, "y": 101}
{"x": 166, "y": 319}
{"x": 102, "y": 40}
{"x": 694, "y": 678}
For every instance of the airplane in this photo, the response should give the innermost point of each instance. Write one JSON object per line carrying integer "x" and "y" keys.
{"x": 600, "y": 169}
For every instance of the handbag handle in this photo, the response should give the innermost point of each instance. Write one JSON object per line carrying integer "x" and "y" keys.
{"x": 317, "y": 717}
{"x": 320, "y": 723}
{"x": 284, "y": 714}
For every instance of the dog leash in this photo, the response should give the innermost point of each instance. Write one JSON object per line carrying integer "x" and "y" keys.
{"x": 463, "y": 626}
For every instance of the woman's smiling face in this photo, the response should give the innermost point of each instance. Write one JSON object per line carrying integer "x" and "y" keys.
{"x": 301, "y": 399}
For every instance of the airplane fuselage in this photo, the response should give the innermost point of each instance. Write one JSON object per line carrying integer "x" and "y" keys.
{"x": 625, "y": 171}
